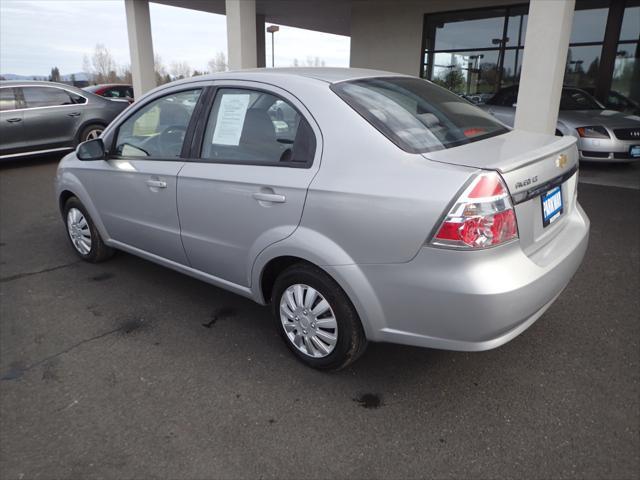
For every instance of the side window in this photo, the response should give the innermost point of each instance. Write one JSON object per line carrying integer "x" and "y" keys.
{"x": 248, "y": 126}
{"x": 77, "y": 99}
{"x": 111, "y": 93}
{"x": 7, "y": 99}
{"x": 157, "y": 129}
{"x": 45, "y": 97}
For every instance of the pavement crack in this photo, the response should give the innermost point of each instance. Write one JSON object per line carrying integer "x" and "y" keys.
{"x": 17, "y": 372}
{"x": 38, "y": 272}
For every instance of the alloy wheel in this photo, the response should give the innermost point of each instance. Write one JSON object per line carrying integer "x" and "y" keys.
{"x": 308, "y": 321}
{"x": 79, "y": 231}
{"x": 93, "y": 133}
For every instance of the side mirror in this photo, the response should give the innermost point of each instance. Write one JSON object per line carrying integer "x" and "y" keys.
{"x": 91, "y": 150}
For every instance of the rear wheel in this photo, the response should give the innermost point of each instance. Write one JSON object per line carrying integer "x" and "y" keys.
{"x": 83, "y": 234}
{"x": 316, "y": 318}
{"x": 91, "y": 132}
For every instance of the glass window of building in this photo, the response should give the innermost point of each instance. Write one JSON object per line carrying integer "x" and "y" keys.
{"x": 477, "y": 52}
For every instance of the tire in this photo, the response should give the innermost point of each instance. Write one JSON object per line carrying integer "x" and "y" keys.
{"x": 90, "y": 132}
{"x": 83, "y": 234}
{"x": 350, "y": 341}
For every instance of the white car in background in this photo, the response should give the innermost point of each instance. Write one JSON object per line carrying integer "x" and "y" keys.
{"x": 603, "y": 135}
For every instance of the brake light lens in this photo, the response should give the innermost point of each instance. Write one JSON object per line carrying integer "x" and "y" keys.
{"x": 482, "y": 217}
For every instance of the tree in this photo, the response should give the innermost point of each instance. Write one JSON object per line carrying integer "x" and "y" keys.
{"x": 180, "y": 70}
{"x": 160, "y": 70}
{"x": 55, "y": 75}
{"x": 102, "y": 63}
{"x": 197, "y": 73}
{"x": 296, "y": 63}
{"x": 313, "y": 62}
{"x": 218, "y": 63}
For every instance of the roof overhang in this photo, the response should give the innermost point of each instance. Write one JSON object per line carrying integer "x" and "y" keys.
{"x": 329, "y": 16}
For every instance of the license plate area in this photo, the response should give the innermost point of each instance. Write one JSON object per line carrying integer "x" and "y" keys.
{"x": 552, "y": 205}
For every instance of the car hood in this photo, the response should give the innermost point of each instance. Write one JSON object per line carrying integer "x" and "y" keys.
{"x": 607, "y": 118}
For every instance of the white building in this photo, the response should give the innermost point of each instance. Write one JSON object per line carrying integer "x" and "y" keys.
{"x": 470, "y": 46}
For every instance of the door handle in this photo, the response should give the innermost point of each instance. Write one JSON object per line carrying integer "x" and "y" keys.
{"x": 14, "y": 120}
{"x": 74, "y": 114}
{"x": 269, "y": 197}
{"x": 157, "y": 183}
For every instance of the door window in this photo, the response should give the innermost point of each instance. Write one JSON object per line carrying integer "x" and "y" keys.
{"x": 158, "y": 129}
{"x": 36, "y": 97}
{"x": 7, "y": 99}
{"x": 248, "y": 126}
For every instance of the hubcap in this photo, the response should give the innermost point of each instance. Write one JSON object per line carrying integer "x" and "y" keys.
{"x": 308, "y": 320}
{"x": 79, "y": 231}
{"x": 93, "y": 134}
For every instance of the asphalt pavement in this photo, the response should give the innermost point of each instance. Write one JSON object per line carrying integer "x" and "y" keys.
{"x": 129, "y": 370}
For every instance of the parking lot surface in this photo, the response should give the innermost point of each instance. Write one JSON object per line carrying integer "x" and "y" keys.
{"x": 129, "y": 370}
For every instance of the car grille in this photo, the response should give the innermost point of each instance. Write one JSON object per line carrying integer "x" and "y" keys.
{"x": 628, "y": 133}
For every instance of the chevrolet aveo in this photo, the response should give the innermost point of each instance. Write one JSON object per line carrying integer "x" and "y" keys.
{"x": 362, "y": 205}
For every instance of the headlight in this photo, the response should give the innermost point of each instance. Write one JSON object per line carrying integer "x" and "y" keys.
{"x": 593, "y": 132}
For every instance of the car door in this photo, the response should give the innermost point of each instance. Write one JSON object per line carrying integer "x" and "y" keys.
{"x": 247, "y": 185}
{"x": 52, "y": 116}
{"x": 134, "y": 190}
{"x": 11, "y": 123}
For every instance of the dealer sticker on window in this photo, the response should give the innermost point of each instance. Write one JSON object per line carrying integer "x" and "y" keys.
{"x": 551, "y": 206}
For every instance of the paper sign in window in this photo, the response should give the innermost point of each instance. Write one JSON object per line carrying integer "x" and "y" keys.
{"x": 231, "y": 113}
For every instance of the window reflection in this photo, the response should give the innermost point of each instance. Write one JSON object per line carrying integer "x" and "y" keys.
{"x": 582, "y": 66}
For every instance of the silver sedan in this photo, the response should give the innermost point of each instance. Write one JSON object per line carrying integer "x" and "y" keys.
{"x": 603, "y": 135}
{"x": 361, "y": 205}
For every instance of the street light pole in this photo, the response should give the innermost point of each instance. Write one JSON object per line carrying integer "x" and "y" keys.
{"x": 273, "y": 29}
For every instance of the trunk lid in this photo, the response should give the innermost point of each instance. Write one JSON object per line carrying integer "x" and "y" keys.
{"x": 531, "y": 165}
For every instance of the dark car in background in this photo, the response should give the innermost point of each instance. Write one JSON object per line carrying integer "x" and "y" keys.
{"x": 45, "y": 117}
{"x": 113, "y": 91}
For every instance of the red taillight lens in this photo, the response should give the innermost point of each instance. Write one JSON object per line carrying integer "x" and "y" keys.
{"x": 482, "y": 217}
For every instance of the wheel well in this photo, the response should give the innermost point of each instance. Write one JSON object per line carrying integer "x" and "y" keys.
{"x": 272, "y": 270}
{"x": 64, "y": 196}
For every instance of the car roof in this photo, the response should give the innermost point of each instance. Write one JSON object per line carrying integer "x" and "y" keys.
{"x": 44, "y": 83}
{"x": 324, "y": 74}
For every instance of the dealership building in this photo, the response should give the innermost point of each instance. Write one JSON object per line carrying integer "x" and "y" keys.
{"x": 472, "y": 47}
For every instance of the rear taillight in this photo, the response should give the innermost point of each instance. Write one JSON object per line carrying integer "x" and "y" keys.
{"x": 482, "y": 217}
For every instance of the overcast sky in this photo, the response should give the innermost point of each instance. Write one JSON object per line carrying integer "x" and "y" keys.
{"x": 36, "y": 35}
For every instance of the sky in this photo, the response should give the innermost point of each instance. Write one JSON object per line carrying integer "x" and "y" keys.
{"x": 36, "y": 35}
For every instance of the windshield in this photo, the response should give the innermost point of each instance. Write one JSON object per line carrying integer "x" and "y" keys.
{"x": 417, "y": 115}
{"x": 578, "y": 100}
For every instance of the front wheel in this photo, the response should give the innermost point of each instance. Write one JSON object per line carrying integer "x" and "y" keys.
{"x": 83, "y": 234}
{"x": 316, "y": 319}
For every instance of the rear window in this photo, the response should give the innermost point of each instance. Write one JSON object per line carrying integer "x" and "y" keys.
{"x": 417, "y": 115}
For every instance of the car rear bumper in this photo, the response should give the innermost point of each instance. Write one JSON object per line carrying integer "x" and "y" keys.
{"x": 471, "y": 301}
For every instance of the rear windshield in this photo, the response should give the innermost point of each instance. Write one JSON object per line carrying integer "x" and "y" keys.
{"x": 417, "y": 115}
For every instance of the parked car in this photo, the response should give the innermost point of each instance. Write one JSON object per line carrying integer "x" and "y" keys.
{"x": 603, "y": 135}
{"x": 114, "y": 91}
{"x": 45, "y": 117}
{"x": 619, "y": 102}
{"x": 390, "y": 211}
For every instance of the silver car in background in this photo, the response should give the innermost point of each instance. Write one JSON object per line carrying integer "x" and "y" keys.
{"x": 603, "y": 135}
{"x": 362, "y": 205}
{"x": 45, "y": 117}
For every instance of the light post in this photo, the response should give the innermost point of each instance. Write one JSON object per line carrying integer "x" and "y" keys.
{"x": 272, "y": 29}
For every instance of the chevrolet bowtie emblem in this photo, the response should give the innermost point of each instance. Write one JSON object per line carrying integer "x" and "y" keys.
{"x": 561, "y": 161}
